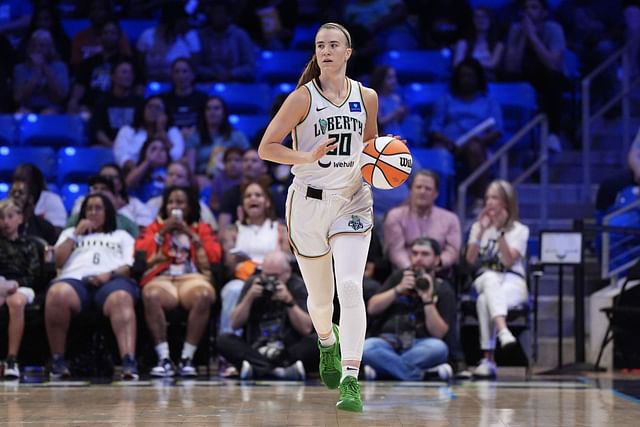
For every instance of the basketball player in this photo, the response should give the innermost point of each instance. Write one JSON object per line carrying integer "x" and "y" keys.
{"x": 329, "y": 207}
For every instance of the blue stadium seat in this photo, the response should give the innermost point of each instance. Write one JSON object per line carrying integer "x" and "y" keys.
{"x": 134, "y": 27}
{"x": 4, "y": 190}
{"x": 440, "y": 161}
{"x": 156, "y": 88}
{"x": 8, "y": 129}
{"x": 243, "y": 98}
{"x": 70, "y": 192}
{"x": 517, "y": 102}
{"x": 52, "y": 130}
{"x": 250, "y": 124}
{"x": 418, "y": 65}
{"x": 421, "y": 97}
{"x": 411, "y": 129}
{"x": 304, "y": 36}
{"x": 280, "y": 88}
{"x": 281, "y": 66}
{"x": 73, "y": 26}
{"x": 76, "y": 164}
{"x": 43, "y": 157}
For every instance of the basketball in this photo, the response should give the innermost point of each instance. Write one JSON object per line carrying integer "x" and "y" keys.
{"x": 386, "y": 162}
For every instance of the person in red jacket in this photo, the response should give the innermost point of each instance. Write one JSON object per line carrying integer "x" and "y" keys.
{"x": 180, "y": 249}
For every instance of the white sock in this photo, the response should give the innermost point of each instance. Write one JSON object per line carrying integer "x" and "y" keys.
{"x": 349, "y": 371}
{"x": 162, "y": 350}
{"x": 328, "y": 341}
{"x": 188, "y": 350}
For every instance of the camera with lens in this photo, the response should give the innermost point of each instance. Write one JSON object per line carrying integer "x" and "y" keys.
{"x": 269, "y": 284}
{"x": 423, "y": 282}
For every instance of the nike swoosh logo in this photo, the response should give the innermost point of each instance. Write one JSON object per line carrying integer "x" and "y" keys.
{"x": 323, "y": 108}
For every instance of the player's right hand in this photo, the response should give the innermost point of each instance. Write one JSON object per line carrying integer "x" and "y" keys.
{"x": 321, "y": 150}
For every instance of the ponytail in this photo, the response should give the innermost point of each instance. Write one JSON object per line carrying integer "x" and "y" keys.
{"x": 312, "y": 70}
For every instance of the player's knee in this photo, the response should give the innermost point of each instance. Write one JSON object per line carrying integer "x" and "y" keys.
{"x": 350, "y": 294}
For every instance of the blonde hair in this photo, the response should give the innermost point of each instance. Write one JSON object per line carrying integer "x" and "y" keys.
{"x": 312, "y": 70}
{"x": 508, "y": 196}
{"x": 8, "y": 204}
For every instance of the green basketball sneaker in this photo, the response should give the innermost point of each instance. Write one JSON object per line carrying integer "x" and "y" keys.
{"x": 330, "y": 363}
{"x": 350, "y": 395}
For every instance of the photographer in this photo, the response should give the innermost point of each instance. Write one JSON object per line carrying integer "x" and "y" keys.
{"x": 277, "y": 339}
{"x": 411, "y": 315}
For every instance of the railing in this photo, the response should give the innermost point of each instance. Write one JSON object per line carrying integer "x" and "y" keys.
{"x": 606, "y": 244}
{"x": 588, "y": 117}
{"x": 540, "y": 121}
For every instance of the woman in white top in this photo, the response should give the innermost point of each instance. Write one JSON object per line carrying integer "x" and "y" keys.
{"x": 498, "y": 245}
{"x": 94, "y": 261}
{"x": 329, "y": 207}
{"x": 255, "y": 234}
{"x": 151, "y": 120}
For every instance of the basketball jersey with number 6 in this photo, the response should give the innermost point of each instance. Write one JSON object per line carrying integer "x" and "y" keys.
{"x": 339, "y": 168}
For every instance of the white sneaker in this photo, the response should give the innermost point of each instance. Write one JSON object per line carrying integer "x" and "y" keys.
{"x": 246, "y": 372}
{"x": 506, "y": 338}
{"x": 370, "y": 374}
{"x": 11, "y": 370}
{"x": 486, "y": 369}
{"x": 444, "y": 371}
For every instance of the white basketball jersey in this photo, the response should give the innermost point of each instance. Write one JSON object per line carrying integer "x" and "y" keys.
{"x": 339, "y": 168}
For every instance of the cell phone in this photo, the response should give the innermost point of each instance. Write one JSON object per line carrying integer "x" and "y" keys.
{"x": 177, "y": 214}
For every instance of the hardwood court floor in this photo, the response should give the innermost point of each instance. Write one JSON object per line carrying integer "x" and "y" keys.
{"x": 577, "y": 401}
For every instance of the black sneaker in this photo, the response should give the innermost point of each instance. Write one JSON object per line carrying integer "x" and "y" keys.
{"x": 129, "y": 368}
{"x": 164, "y": 368}
{"x": 59, "y": 369}
{"x": 11, "y": 369}
{"x": 187, "y": 369}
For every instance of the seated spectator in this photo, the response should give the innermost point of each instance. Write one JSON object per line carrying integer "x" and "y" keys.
{"x": 147, "y": 178}
{"x": 391, "y": 108}
{"x": 91, "y": 40}
{"x": 535, "y": 53}
{"x": 253, "y": 169}
{"x": 19, "y": 269}
{"x": 94, "y": 261}
{"x": 468, "y": 121}
{"x": 411, "y": 315}
{"x": 104, "y": 185}
{"x": 180, "y": 250}
{"x": 49, "y": 205}
{"x": 270, "y": 24}
{"x": 228, "y": 54}
{"x": 93, "y": 74}
{"x": 610, "y": 187}
{"x": 482, "y": 44}
{"x": 184, "y": 103}
{"x": 277, "y": 339}
{"x": 205, "y": 148}
{"x": 25, "y": 192}
{"x": 179, "y": 175}
{"x": 116, "y": 109}
{"x": 128, "y": 206}
{"x": 442, "y": 22}
{"x": 229, "y": 177}
{"x": 249, "y": 240}
{"x": 150, "y": 120}
{"x": 171, "y": 39}
{"x": 41, "y": 83}
{"x": 46, "y": 17}
{"x": 385, "y": 20}
{"x": 497, "y": 247}
{"x": 421, "y": 218}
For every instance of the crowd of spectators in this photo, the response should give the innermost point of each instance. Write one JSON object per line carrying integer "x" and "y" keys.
{"x": 189, "y": 191}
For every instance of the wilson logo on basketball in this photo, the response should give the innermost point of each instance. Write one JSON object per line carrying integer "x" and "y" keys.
{"x": 405, "y": 162}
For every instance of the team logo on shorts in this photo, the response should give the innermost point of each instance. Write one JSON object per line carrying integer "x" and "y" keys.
{"x": 355, "y": 223}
